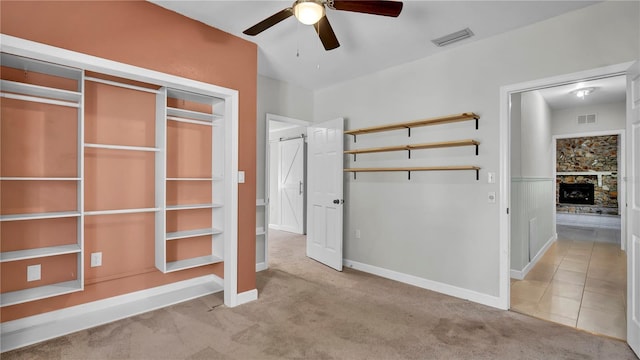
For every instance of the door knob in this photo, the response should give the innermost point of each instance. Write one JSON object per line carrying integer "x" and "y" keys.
{"x": 338, "y": 201}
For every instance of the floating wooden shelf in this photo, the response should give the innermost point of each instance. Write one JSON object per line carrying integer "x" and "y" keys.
{"x": 423, "y": 168}
{"x": 434, "y": 145}
{"x": 417, "y": 123}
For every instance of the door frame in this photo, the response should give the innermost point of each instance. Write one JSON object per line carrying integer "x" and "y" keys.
{"x": 504, "y": 301}
{"x": 284, "y": 119}
{"x": 622, "y": 174}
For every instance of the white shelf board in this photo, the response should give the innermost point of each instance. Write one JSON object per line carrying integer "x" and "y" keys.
{"x": 37, "y": 216}
{"x": 39, "y": 252}
{"x": 189, "y": 115}
{"x": 195, "y": 97}
{"x": 41, "y": 292}
{"x": 121, "y": 147}
{"x": 40, "y": 91}
{"x": 22, "y": 63}
{"x": 193, "y": 206}
{"x": 189, "y": 179}
{"x": 17, "y": 178}
{"x": 193, "y": 262}
{"x": 120, "y": 211}
{"x": 191, "y": 233}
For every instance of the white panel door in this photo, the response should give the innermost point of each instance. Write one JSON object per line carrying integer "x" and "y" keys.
{"x": 291, "y": 185}
{"x": 633, "y": 204}
{"x": 325, "y": 180}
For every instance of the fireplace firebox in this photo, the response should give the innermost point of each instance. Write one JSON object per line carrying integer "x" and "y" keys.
{"x": 576, "y": 194}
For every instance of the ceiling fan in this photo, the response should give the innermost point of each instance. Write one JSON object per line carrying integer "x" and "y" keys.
{"x": 312, "y": 12}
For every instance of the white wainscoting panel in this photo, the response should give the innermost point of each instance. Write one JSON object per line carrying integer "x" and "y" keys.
{"x": 532, "y": 209}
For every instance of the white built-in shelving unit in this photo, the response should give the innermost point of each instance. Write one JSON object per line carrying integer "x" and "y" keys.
{"x": 210, "y": 122}
{"x": 26, "y": 95}
{"x": 29, "y": 69}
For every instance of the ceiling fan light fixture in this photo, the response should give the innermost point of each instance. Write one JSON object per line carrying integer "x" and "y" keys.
{"x": 308, "y": 12}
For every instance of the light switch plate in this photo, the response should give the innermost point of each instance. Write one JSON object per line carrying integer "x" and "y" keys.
{"x": 240, "y": 177}
{"x": 34, "y": 272}
{"x": 491, "y": 177}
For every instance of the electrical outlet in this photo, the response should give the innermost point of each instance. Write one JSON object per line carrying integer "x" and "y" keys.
{"x": 358, "y": 234}
{"x": 34, "y": 272}
{"x": 96, "y": 259}
{"x": 492, "y": 197}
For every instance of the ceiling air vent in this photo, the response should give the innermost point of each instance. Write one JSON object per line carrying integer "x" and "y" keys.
{"x": 453, "y": 37}
{"x": 587, "y": 119}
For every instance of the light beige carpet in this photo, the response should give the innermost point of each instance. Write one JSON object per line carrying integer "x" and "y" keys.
{"x": 308, "y": 311}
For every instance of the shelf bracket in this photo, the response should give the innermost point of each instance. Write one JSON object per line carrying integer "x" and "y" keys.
{"x": 409, "y": 153}
{"x": 409, "y": 174}
{"x": 477, "y": 174}
{"x": 409, "y": 131}
{"x": 354, "y": 175}
{"x": 476, "y": 122}
{"x": 476, "y": 149}
{"x": 354, "y": 136}
{"x": 354, "y": 157}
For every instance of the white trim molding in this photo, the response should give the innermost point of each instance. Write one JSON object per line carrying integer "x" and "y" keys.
{"x": 247, "y": 296}
{"x": 33, "y": 329}
{"x": 520, "y": 274}
{"x": 439, "y": 287}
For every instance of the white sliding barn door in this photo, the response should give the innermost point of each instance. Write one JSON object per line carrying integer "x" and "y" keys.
{"x": 291, "y": 185}
{"x": 633, "y": 206}
{"x": 325, "y": 183}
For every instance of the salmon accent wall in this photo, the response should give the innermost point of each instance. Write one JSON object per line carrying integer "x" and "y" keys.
{"x": 44, "y": 135}
{"x": 118, "y": 116}
{"x": 141, "y": 34}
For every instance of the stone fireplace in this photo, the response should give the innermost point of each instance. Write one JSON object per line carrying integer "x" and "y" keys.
{"x": 583, "y": 164}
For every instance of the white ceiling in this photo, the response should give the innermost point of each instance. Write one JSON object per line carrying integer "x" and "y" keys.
{"x": 292, "y": 52}
{"x": 607, "y": 90}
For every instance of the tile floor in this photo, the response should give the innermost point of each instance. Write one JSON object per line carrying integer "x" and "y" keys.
{"x": 580, "y": 281}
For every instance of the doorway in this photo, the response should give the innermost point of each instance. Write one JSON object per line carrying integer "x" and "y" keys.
{"x": 284, "y": 207}
{"x": 546, "y": 253}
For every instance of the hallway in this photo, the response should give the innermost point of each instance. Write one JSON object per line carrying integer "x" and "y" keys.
{"x": 579, "y": 282}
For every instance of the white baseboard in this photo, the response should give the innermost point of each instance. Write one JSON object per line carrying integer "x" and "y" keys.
{"x": 33, "y": 329}
{"x": 261, "y": 266}
{"x": 447, "y": 289}
{"x": 247, "y": 296}
{"x": 520, "y": 274}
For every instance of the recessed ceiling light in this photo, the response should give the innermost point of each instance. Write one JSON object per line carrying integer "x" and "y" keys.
{"x": 453, "y": 37}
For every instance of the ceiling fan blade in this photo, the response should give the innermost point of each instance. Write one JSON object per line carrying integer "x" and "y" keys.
{"x": 382, "y": 7}
{"x": 268, "y": 22}
{"x": 326, "y": 34}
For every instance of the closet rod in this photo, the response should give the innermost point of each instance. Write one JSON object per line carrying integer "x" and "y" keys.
{"x": 119, "y": 84}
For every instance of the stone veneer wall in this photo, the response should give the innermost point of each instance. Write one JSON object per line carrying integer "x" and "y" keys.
{"x": 596, "y": 153}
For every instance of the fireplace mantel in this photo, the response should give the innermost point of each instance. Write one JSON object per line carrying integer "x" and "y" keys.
{"x": 599, "y": 174}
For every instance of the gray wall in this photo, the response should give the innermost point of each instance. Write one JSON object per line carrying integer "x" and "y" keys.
{"x": 279, "y": 98}
{"x": 532, "y": 195}
{"x": 610, "y": 116}
{"x": 440, "y": 226}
